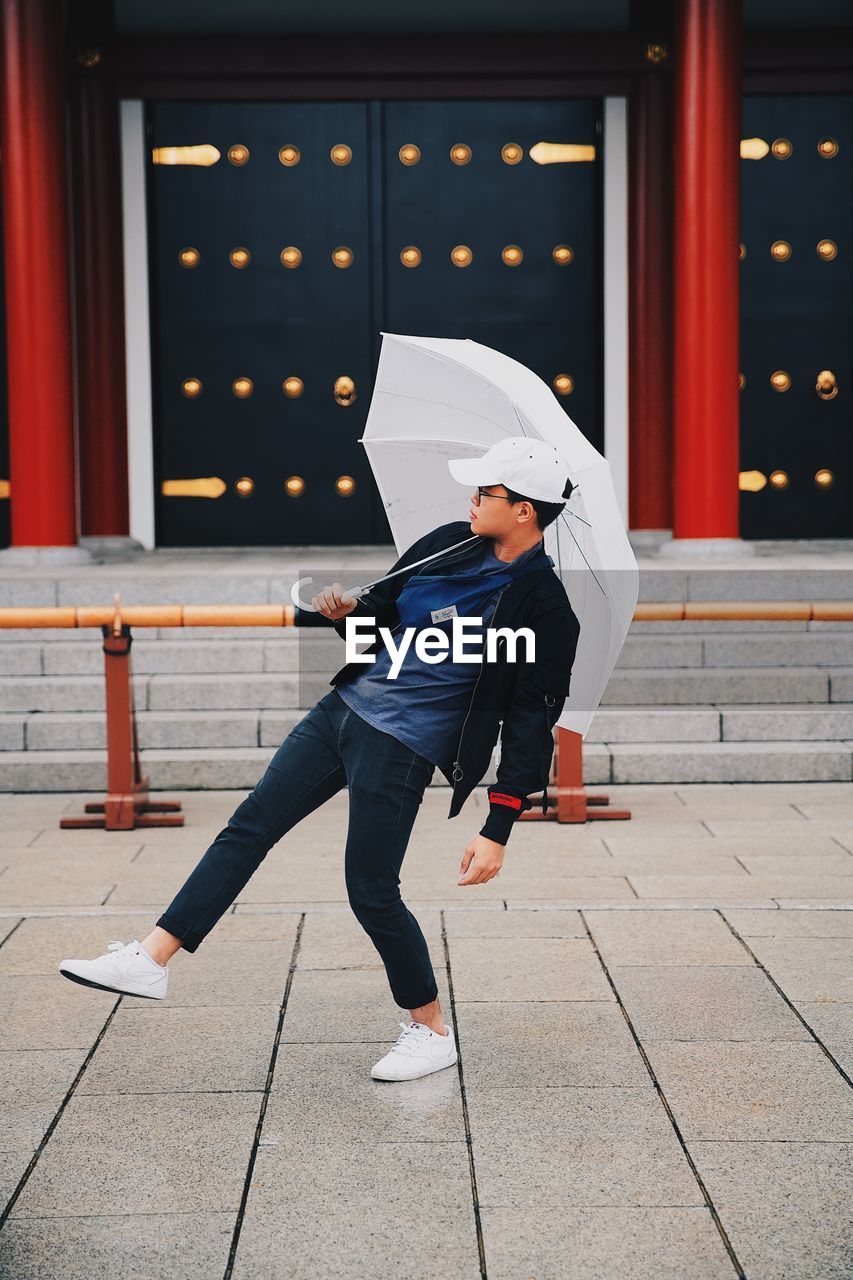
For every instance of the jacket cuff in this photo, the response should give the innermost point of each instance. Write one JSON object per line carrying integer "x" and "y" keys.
{"x": 504, "y": 811}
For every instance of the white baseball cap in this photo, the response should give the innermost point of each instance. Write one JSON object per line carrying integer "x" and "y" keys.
{"x": 528, "y": 465}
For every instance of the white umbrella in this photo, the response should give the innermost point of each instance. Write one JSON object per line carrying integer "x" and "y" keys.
{"x": 441, "y": 398}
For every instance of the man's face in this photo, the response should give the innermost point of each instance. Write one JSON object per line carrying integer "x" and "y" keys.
{"x": 493, "y": 516}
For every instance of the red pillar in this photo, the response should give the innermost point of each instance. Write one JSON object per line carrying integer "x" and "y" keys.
{"x": 36, "y": 255}
{"x": 650, "y": 300}
{"x": 706, "y": 301}
{"x": 101, "y": 390}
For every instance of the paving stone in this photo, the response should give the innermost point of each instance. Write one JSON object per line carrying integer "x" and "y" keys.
{"x": 144, "y": 1153}
{"x": 600, "y": 1244}
{"x": 785, "y": 1205}
{"x": 160, "y": 1049}
{"x": 339, "y": 942}
{"x": 33, "y": 1083}
{"x": 327, "y": 1094}
{"x": 542, "y": 890}
{"x": 329, "y": 1006}
{"x": 826, "y": 808}
{"x": 224, "y": 971}
{"x": 791, "y": 924}
{"x": 704, "y": 1002}
{"x": 41, "y": 942}
{"x": 778, "y": 1091}
{"x": 819, "y": 969}
{"x": 53, "y": 886}
{"x": 748, "y": 826}
{"x": 544, "y": 969}
{"x": 544, "y": 1113}
{"x": 135, "y": 1246}
{"x": 38, "y": 1012}
{"x": 354, "y": 1216}
{"x": 571, "y": 1171}
{"x": 513, "y": 1043}
{"x": 7, "y": 927}
{"x": 13, "y": 1166}
{"x": 460, "y": 923}
{"x": 666, "y": 938}
{"x": 615, "y": 834}
{"x": 833, "y": 1026}
{"x": 807, "y": 864}
{"x": 726, "y": 891}
{"x": 688, "y": 852}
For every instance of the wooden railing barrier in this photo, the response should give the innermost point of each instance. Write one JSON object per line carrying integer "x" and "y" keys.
{"x": 127, "y": 804}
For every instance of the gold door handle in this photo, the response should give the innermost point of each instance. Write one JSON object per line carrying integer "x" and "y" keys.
{"x": 826, "y": 385}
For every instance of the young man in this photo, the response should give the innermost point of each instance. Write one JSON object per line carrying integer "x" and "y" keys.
{"x": 382, "y": 738}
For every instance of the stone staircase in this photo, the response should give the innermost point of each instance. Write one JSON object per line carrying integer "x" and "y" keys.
{"x": 688, "y": 701}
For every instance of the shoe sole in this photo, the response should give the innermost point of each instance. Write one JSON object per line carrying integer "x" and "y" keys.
{"x": 420, "y": 1074}
{"x": 102, "y": 986}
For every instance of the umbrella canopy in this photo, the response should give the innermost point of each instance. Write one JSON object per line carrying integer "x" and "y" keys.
{"x": 441, "y": 398}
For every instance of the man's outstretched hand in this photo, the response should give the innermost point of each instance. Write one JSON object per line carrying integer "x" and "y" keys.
{"x": 482, "y": 860}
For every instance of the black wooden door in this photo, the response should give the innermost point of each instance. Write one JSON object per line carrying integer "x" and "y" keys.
{"x": 532, "y": 284}
{"x": 278, "y": 258}
{"x": 796, "y": 452}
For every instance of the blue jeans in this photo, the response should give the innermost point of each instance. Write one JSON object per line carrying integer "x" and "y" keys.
{"x": 331, "y": 747}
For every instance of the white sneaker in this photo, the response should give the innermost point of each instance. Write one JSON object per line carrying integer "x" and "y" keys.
{"x": 418, "y": 1051}
{"x": 123, "y": 967}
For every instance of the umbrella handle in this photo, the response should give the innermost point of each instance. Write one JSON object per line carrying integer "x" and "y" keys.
{"x": 351, "y": 593}
{"x": 355, "y": 593}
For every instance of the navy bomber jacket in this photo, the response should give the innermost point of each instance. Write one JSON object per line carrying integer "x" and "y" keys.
{"x": 521, "y": 700}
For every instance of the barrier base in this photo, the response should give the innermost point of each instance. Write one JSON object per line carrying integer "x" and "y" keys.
{"x": 568, "y": 800}
{"x": 125, "y": 812}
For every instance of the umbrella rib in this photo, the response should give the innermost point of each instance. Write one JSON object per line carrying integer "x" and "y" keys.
{"x": 586, "y": 562}
{"x": 442, "y": 404}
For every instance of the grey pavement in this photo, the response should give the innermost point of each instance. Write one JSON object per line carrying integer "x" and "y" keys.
{"x": 655, "y": 1024}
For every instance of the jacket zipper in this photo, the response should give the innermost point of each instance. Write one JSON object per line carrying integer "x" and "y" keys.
{"x": 470, "y": 704}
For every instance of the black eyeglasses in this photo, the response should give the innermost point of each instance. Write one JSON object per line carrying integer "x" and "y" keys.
{"x": 481, "y": 493}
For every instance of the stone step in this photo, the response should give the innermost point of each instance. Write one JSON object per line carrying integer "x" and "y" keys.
{"x": 184, "y": 730}
{"x": 674, "y": 762}
{"x": 209, "y": 768}
{"x": 307, "y": 652}
{"x": 238, "y": 767}
{"x": 797, "y": 722}
{"x": 243, "y": 576}
{"x": 269, "y": 690}
{"x": 703, "y": 685}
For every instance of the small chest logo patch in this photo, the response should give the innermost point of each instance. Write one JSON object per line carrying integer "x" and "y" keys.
{"x": 441, "y": 615}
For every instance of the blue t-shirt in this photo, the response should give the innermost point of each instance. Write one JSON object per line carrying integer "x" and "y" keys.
{"x": 425, "y": 705}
